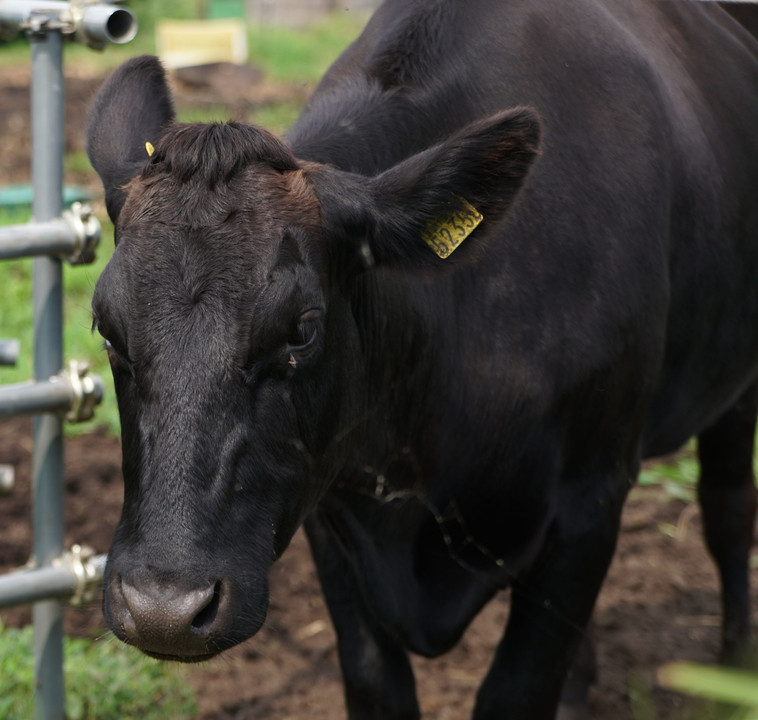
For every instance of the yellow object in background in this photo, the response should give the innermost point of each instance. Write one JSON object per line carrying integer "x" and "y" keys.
{"x": 184, "y": 43}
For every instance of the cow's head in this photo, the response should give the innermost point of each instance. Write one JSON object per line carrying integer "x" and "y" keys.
{"x": 235, "y": 354}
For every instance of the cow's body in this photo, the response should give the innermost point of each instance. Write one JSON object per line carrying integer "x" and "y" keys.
{"x": 445, "y": 428}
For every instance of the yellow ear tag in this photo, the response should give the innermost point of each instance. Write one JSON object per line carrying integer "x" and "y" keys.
{"x": 447, "y": 232}
{"x": 150, "y": 149}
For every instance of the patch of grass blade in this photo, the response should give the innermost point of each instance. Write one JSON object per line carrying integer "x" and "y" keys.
{"x": 104, "y": 680}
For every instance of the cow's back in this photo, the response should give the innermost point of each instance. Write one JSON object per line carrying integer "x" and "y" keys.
{"x": 631, "y": 244}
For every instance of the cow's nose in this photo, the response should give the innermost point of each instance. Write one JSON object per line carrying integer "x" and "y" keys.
{"x": 168, "y": 620}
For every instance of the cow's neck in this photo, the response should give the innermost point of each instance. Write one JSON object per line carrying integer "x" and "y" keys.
{"x": 459, "y": 539}
{"x": 405, "y": 338}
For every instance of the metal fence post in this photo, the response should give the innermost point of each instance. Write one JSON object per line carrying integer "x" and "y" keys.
{"x": 47, "y": 458}
{"x": 53, "y": 575}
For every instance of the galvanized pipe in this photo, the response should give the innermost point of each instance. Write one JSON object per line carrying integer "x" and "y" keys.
{"x": 29, "y": 586}
{"x": 73, "y": 391}
{"x": 9, "y": 350}
{"x": 87, "y": 22}
{"x": 72, "y": 237}
{"x": 32, "y": 398}
{"x": 71, "y": 577}
{"x": 101, "y": 24}
{"x": 55, "y": 237}
{"x": 47, "y": 455}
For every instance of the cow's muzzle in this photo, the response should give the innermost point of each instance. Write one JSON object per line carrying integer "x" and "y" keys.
{"x": 171, "y": 621}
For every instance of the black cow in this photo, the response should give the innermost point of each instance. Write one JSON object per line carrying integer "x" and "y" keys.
{"x": 292, "y": 340}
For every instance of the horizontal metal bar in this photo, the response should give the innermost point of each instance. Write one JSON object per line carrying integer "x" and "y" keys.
{"x": 72, "y": 237}
{"x": 73, "y": 391}
{"x": 104, "y": 23}
{"x": 33, "y": 398}
{"x": 91, "y": 23}
{"x": 9, "y": 350}
{"x": 27, "y": 586}
{"x": 55, "y": 237}
{"x": 74, "y": 576}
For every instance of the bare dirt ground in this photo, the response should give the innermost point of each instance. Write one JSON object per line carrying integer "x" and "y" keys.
{"x": 660, "y": 601}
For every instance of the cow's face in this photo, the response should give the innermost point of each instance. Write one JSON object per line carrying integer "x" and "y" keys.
{"x": 236, "y": 358}
{"x": 217, "y": 314}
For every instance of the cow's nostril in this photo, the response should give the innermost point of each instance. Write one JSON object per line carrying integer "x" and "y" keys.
{"x": 169, "y": 619}
{"x": 176, "y": 618}
{"x": 207, "y": 615}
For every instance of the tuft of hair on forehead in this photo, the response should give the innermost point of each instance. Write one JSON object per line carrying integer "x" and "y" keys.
{"x": 215, "y": 152}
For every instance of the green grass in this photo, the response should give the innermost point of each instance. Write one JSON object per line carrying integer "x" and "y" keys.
{"x": 678, "y": 474}
{"x": 104, "y": 680}
{"x": 77, "y": 163}
{"x": 302, "y": 55}
{"x": 720, "y": 685}
{"x": 277, "y": 118}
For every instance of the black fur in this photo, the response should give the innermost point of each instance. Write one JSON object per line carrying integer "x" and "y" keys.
{"x": 288, "y": 350}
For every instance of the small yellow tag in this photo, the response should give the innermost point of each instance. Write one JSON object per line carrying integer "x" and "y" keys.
{"x": 150, "y": 149}
{"x": 448, "y": 231}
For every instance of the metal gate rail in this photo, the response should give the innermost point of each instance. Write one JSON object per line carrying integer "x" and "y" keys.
{"x": 52, "y": 237}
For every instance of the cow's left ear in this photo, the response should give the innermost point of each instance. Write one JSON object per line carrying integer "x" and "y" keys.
{"x": 422, "y": 209}
{"x": 128, "y": 115}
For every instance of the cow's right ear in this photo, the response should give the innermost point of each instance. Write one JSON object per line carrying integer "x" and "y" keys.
{"x": 416, "y": 213}
{"x": 131, "y": 109}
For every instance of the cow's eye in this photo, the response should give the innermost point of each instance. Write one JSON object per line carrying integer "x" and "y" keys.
{"x": 117, "y": 359}
{"x": 97, "y": 325}
{"x": 305, "y": 330}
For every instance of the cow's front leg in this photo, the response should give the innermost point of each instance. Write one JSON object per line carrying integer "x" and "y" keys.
{"x": 550, "y": 608}
{"x": 581, "y": 675}
{"x": 378, "y": 677}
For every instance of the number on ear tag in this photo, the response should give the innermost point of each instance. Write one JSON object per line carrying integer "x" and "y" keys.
{"x": 448, "y": 231}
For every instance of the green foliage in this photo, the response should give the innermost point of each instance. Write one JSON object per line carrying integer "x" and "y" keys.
{"x": 14, "y": 52}
{"x": 77, "y": 163}
{"x": 725, "y": 686}
{"x": 149, "y": 12}
{"x": 204, "y": 114}
{"x": 302, "y": 55}
{"x": 279, "y": 117}
{"x": 677, "y": 475}
{"x": 104, "y": 680}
